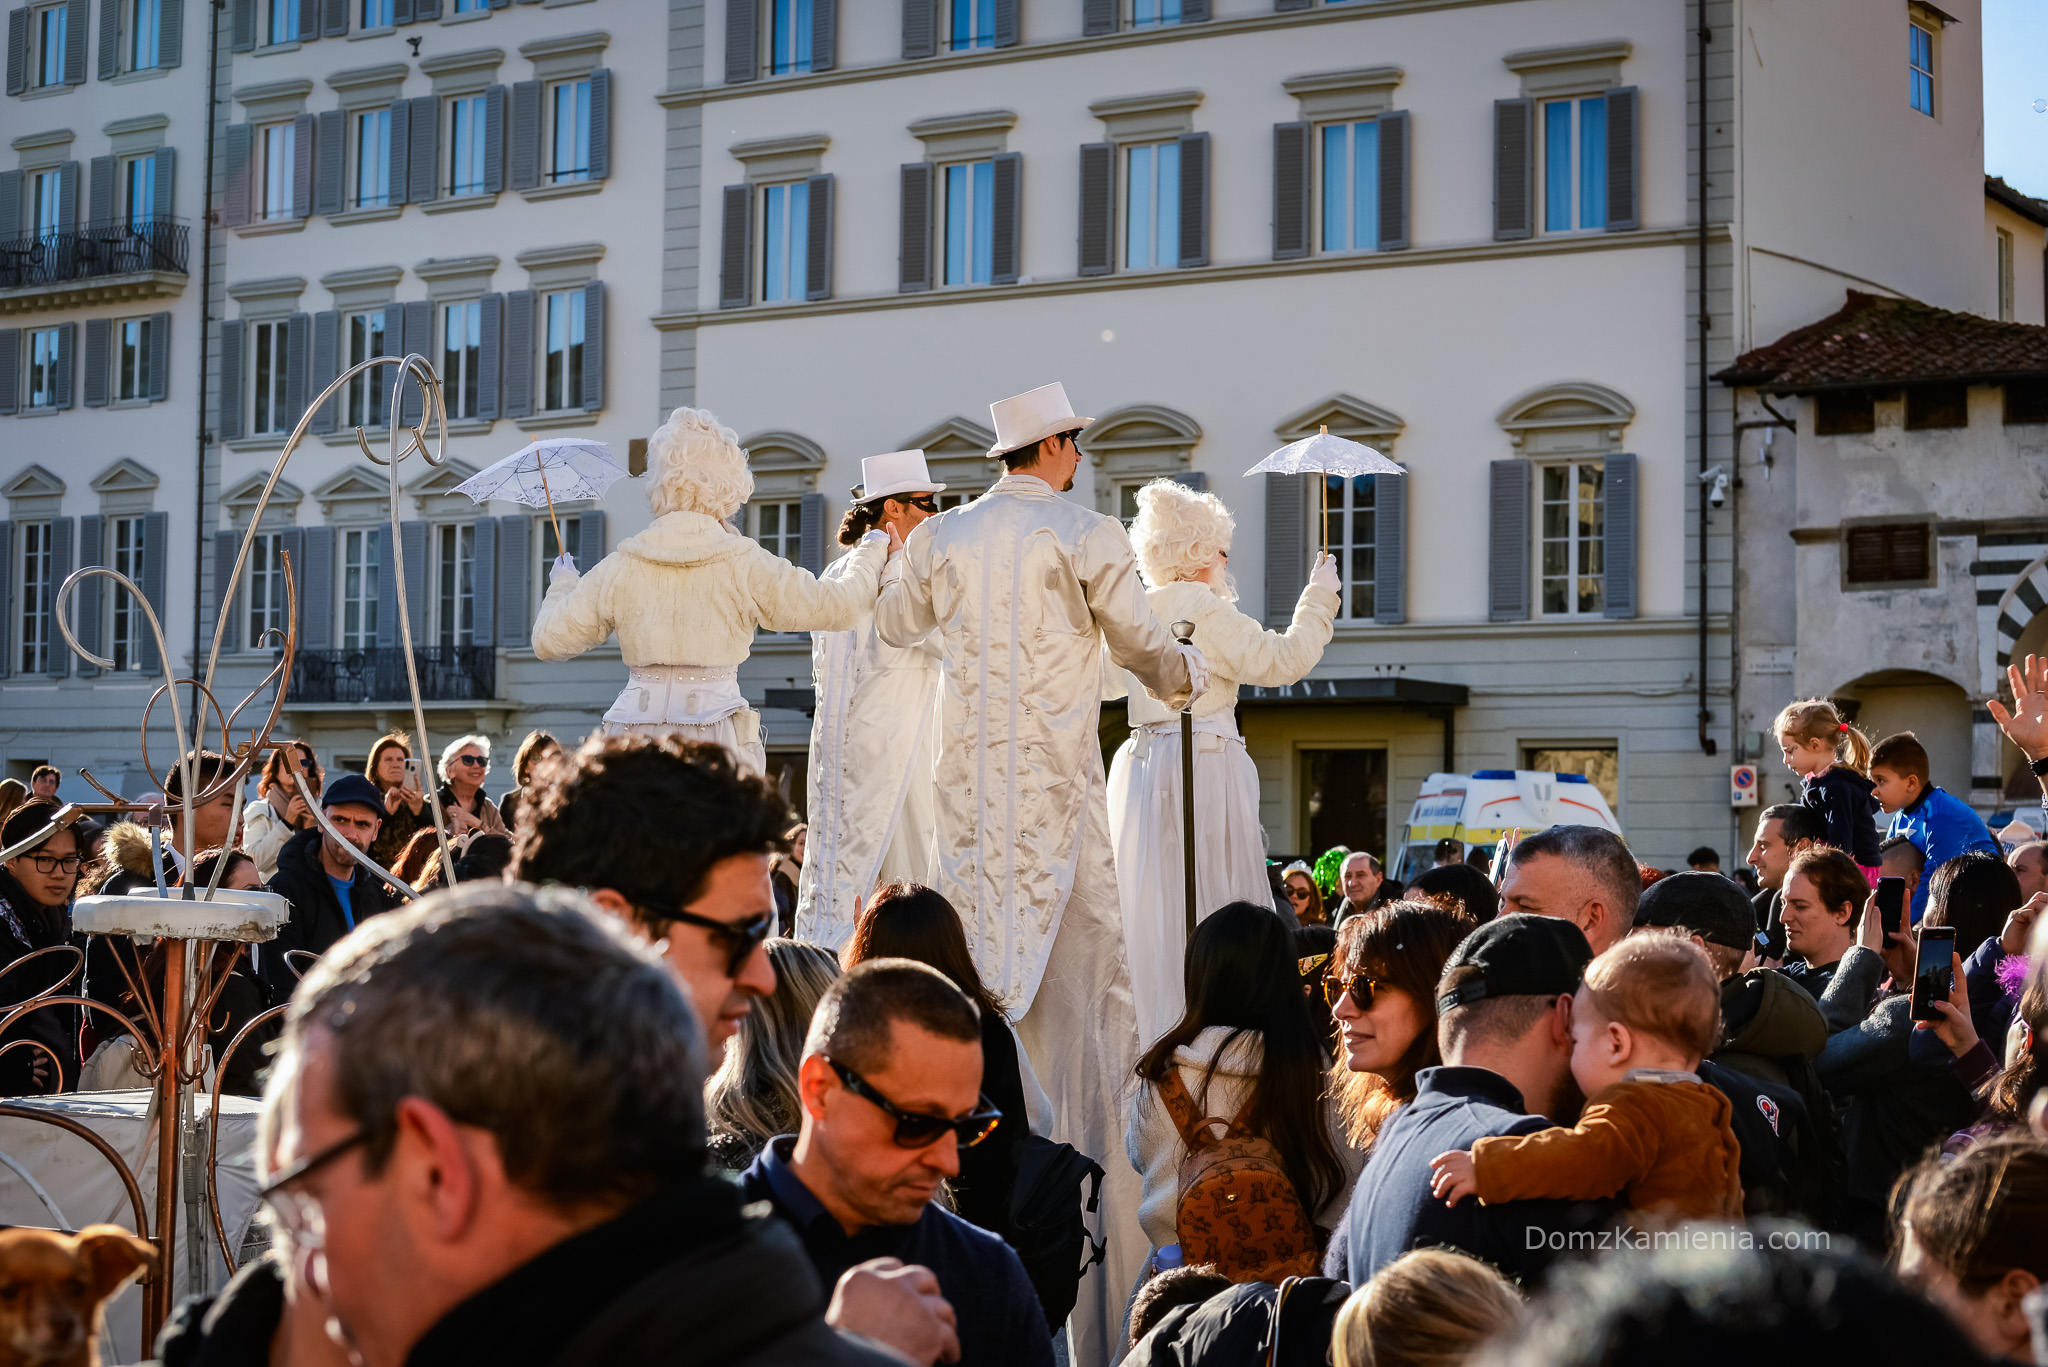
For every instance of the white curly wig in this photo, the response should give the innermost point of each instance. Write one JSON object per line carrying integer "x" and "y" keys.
{"x": 697, "y": 466}
{"x": 1178, "y": 532}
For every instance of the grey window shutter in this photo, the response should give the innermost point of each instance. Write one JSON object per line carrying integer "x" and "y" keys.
{"x": 824, "y": 34}
{"x": 914, "y": 228}
{"x": 1198, "y": 480}
{"x": 6, "y": 597}
{"x": 820, "y": 236}
{"x": 414, "y": 534}
{"x": 1624, "y": 211}
{"x": 1282, "y": 6}
{"x": 1390, "y": 549}
{"x": 302, "y": 165}
{"x": 316, "y": 590}
{"x": 1393, "y": 139}
{"x": 1514, "y": 169}
{"x": 742, "y": 41}
{"x": 298, "y": 336}
{"x": 387, "y": 586}
{"x": 17, "y": 50}
{"x": 245, "y": 25}
{"x": 1194, "y": 199}
{"x": 1005, "y": 26}
{"x": 490, "y": 347}
{"x": 159, "y": 357}
{"x": 10, "y": 205}
{"x": 1287, "y": 518}
{"x": 483, "y": 582}
{"x": 423, "y": 163}
{"x": 235, "y": 194}
{"x": 333, "y": 17}
{"x": 110, "y": 39}
{"x": 600, "y": 124}
{"x": 1194, "y": 11}
{"x": 328, "y": 159}
{"x": 170, "y": 43}
{"x": 156, "y": 534}
{"x": 736, "y": 248}
{"x": 494, "y": 140}
{"x": 60, "y": 570}
{"x": 1007, "y": 210}
{"x": 810, "y": 552}
{"x": 233, "y": 356}
{"x": 77, "y": 23}
{"x": 385, "y": 377}
{"x": 401, "y": 11}
{"x": 515, "y": 575}
{"x": 920, "y": 29}
{"x": 163, "y": 183}
{"x": 309, "y": 20}
{"x": 10, "y": 382}
{"x": 98, "y": 335}
{"x": 1099, "y": 17}
{"x": 100, "y": 199}
{"x": 516, "y": 386}
{"x": 1507, "y": 556}
{"x": 1618, "y": 523}
{"x": 1291, "y": 216}
{"x": 423, "y": 10}
{"x": 66, "y": 362}
{"x": 326, "y": 368}
{"x": 525, "y": 135}
{"x": 91, "y": 593}
{"x": 589, "y": 539}
{"x": 1097, "y": 236}
{"x": 68, "y": 176}
{"x": 417, "y": 335}
{"x": 399, "y": 159}
{"x": 225, "y": 545}
{"x": 593, "y": 346}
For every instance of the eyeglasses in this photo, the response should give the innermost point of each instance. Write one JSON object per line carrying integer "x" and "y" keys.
{"x": 474, "y": 760}
{"x": 914, "y": 1131}
{"x": 51, "y": 863}
{"x": 925, "y": 504}
{"x": 1360, "y": 987}
{"x": 298, "y": 1214}
{"x": 740, "y": 938}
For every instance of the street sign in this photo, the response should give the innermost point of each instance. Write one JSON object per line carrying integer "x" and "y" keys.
{"x": 1742, "y": 785}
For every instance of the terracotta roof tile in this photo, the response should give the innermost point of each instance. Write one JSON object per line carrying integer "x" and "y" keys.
{"x": 1872, "y": 340}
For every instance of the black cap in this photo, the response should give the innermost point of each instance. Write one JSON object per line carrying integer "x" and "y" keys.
{"x": 1706, "y": 904}
{"x": 352, "y": 788}
{"x": 1519, "y": 955}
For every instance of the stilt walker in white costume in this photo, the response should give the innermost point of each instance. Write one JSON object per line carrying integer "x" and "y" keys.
{"x": 687, "y": 594}
{"x": 873, "y": 738}
{"x": 1024, "y": 589}
{"x": 1182, "y": 541}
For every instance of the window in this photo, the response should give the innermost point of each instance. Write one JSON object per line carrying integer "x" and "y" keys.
{"x": 1920, "y": 65}
{"x": 270, "y": 412}
{"x": 569, "y": 140}
{"x": 363, "y": 340}
{"x": 131, "y": 360}
{"x": 972, "y": 24}
{"x": 1896, "y": 554}
{"x": 1349, "y": 530}
{"x": 471, "y": 6}
{"x": 1344, "y": 799}
{"x": 376, "y": 14}
{"x": 780, "y": 527}
{"x": 126, "y": 624}
{"x": 462, "y": 339}
{"x": 466, "y": 146}
{"x": 2005, "y": 314}
{"x": 1151, "y": 13}
{"x": 373, "y": 158}
{"x": 1152, "y": 206}
{"x": 963, "y": 497}
{"x": 1930, "y": 406}
{"x": 48, "y": 29}
{"x": 281, "y": 21}
{"x": 47, "y": 199}
{"x": 564, "y": 371}
{"x": 1840, "y": 411}
{"x": 454, "y": 573}
{"x": 1574, "y": 171}
{"x": 145, "y": 34}
{"x": 263, "y": 587}
{"x": 785, "y": 235}
{"x": 138, "y": 189}
{"x": 970, "y": 223}
{"x": 1599, "y": 763}
{"x": 1574, "y": 541}
{"x": 43, "y": 355}
{"x": 36, "y": 591}
{"x": 361, "y": 563}
{"x": 2026, "y": 401}
{"x": 1351, "y": 186}
{"x": 789, "y": 37}
{"x": 274, "y": 156}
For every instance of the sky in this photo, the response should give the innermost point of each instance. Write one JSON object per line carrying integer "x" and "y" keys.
{"x": 2016, "y": 75}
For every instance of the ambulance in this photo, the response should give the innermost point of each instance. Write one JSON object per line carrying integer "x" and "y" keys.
{"x": 1479, "y": 808}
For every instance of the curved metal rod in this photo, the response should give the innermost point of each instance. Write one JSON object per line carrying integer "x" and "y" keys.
{"x": 360, "y": 856}
{"x": 56, "y": 1063}
{"x": 57, "y": 986}
{"x": 156, "y": 1025}
{"x": 292, "y": 958}
{"x": 108, "y": 793}
{"x": 220, "y": 1071}
{"x": 107, "y": 1151}
{"x": 127, "y": 1026}
{"x": 63, "y": 818}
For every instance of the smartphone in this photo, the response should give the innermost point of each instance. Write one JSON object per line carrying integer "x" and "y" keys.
{"x": 1891, "y": 903}
{"x": 412, "y": 774}
{"x": 1934, "y": 971}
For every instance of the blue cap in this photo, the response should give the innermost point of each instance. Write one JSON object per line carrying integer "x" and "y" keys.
{"x": 352, "y": 788}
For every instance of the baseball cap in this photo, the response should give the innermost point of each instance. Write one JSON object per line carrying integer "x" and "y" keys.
{"x": 1519, "y": 955}
{"x": 352, "y": 788}
{"x": 1705, "y": 904}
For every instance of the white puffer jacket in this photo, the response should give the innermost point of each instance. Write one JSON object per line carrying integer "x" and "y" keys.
{"x": 691, "y": 591}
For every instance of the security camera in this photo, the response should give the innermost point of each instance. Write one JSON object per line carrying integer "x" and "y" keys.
{"x": 1716, "y": 479}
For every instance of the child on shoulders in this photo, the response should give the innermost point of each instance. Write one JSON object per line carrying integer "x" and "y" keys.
{"x": 1940, "y": 824}
{"x": 1832, "y": 759}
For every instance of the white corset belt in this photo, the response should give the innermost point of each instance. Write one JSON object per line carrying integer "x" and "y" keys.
{"x": 678, "y": 695}
{"x": 1212, "y": 732}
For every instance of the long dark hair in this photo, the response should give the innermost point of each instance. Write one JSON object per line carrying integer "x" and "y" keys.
{"x": 1242, "y": 973}
{"x": 912, "y": 921}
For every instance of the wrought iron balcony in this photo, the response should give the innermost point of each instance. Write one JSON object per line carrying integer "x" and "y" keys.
{"x": 140, "y": 258}
{"x": 447, "y": 674}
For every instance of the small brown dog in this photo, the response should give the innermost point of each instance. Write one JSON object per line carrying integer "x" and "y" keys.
{"x": 52, "y": 1287}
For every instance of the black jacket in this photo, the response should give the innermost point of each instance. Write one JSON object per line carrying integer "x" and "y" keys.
{"x": 316, "y": 920}
{"x": 26, "y": 926}
{"x": 988, "y": 1174}
{"x": 1842, "y": 799}
{"x": 230, "y": 1329}
{"x": 1254, "y": 1324}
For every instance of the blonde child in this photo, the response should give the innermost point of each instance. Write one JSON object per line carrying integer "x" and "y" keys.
{"x": 1434, "y": 1307}
{"x": 1833, "y": 759}
{"x": 1648, "y": 1011}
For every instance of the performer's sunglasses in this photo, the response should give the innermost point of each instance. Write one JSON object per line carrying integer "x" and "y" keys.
{"x": 738, "y": 938}
{"x": 914, "y": 1131}
{"x": 1358, "y": 986}
{"x": 926, "y": 504}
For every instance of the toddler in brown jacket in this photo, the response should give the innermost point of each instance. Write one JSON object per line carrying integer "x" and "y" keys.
{"x": 1652, "y": 1132}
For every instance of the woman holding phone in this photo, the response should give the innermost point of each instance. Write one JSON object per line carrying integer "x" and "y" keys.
{"x": 279, "y": 809}
{"x": 396, "y": 773}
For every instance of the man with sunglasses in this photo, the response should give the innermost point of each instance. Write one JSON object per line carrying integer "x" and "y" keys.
{"x": 872, "y": 739}
{"x": 890, "y": 1087}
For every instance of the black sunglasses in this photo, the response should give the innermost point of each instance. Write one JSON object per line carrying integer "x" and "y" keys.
{"x": 925, "y": 504}
{"x": 740, "y": 938}
{"x": 914, "y": 1131}
{"x": 473, "y": 760}
{"x": 1358, "y": 986}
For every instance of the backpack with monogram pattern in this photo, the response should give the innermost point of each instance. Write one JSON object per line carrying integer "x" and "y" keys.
{"x": 1236, "y": 1209}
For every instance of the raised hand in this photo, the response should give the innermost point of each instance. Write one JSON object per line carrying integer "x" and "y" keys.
{"x": 2026, "y": 725}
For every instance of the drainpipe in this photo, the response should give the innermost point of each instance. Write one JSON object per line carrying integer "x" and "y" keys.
{"x": 199, "y": 520}
{"x": 1707, "y": 745}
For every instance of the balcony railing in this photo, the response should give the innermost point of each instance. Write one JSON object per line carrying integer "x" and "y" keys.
{"x": 447, "y": 674}
{"x": 136, "y": 247}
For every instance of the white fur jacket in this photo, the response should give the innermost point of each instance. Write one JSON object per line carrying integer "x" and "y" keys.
{"x": 689, "y": 590}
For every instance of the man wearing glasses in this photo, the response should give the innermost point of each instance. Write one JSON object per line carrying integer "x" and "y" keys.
{"x": 891, "y": 1092}
{"x": 872, "y": 742}
{"x": 673, "y": 837}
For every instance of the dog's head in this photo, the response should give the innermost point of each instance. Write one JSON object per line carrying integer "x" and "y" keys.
{"x": 52, "y": 1286}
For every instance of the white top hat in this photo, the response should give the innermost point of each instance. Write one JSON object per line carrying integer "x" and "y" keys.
{"x": 1026, "y": 419}
{"x": 898, "y": 472}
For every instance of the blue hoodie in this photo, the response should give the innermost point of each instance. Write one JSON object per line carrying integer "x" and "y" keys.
{"x": 1941, "y": 827}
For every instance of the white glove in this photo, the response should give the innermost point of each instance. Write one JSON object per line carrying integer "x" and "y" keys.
{"x": 564, "y": 568}
{"x": 1198, "y": 672}
{"x": 1324, "y": 575}
{"x": 874, "y": 536}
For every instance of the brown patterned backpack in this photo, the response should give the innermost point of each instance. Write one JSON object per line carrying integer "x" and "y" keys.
{"x": 1236, "y": 1208}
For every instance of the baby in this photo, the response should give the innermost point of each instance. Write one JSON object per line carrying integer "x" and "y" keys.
{"x": 1652, "y": 1132}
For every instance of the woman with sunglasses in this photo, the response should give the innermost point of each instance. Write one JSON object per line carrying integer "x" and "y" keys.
{"x": 35, "y": 913}
{"x": 1304, "y": 898}
{"x": 465, "y": 763}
